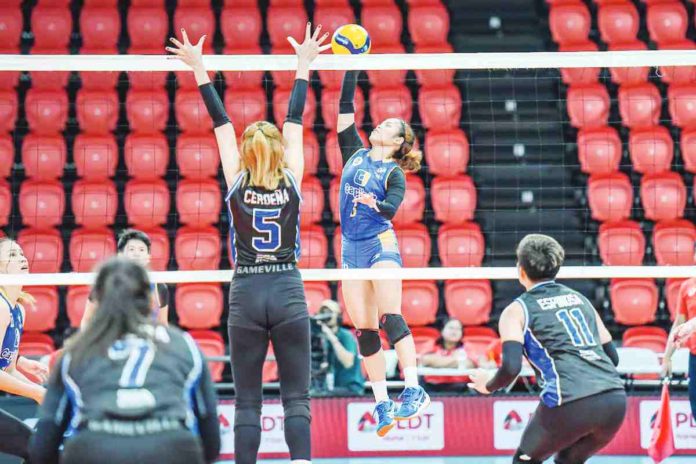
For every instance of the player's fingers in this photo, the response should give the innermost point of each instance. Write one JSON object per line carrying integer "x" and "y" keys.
{"x": 316, "y": 32}
{"x": 293, "y": 42}
{"x": 323, "y": 38}
{"x": 200, "y": 42}
{"x": 308, "y": 31}
{"x": 176, "y": 42}
{"x": 324, "y": 48}
{"x": 175, "y": 51}
{"x": 185, "y": 36}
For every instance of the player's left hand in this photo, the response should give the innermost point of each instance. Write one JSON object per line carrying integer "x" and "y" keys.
{"x": 367, "y": 199}
{"x": 683, "y": 332}
{"x": 312, "y": 46}
{"x": 479, "y": 379}
{"x": 34, "y": 368}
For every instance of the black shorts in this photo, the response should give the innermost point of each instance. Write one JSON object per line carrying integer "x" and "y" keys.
{"x": 574, "y": 431}
{"x": 263, "y": 301}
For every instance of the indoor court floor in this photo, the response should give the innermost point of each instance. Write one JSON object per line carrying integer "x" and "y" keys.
{"x": 484, "y": 460}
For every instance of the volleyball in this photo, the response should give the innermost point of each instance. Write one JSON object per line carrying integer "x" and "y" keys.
{"x": 350, "y": 39}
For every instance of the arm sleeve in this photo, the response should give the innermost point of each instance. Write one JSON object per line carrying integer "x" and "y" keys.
{"x": 163, "y": 291}
{"x": 298, "y": 98}
{"x": 610, "y": 350}
{"x": 206, "y": 413}
{"x": 396, "y": 189}
{"x": 212, "y": 101}
{"x": 54, "y": 416}
{"x": 349, "y": 141}
{"x": 512, "y": 365}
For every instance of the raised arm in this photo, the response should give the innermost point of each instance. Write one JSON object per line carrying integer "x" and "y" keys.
{"x": 192, "y": 55}
{"x": 348, "y": 137}
{"x": 306, "y": 52}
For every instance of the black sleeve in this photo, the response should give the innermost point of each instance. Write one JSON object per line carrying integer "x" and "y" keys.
{"x": 610, "y": 350}
{"x": 163, "y": 294}
{"x": 212, "y": 101}
{"x": 349, "y": 138}
{"x": 54, "y": 417}
{"x": 396, "y": 189}
{"x": 349, "y": 141}
{"x": 206, "y": 412}
{"x": 512, "y": 365}
{"x": 298, "y": 98}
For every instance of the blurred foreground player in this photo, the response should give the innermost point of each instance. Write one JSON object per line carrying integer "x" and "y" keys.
{"x": 583, "y": 402}
{"x": 127, "y": 390}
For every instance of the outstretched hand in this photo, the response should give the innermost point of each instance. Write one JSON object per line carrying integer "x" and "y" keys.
{"x": 312, "y": 46}
{"x": 190, "y": 54}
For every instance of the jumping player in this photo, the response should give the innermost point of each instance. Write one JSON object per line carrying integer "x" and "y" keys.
{"x": 15, "y": 433}
{"x": 136, "y": 245}
{"x": 267, "y": 300}
{"x": 373, "y": 185}
{"x": 583, "y": 402}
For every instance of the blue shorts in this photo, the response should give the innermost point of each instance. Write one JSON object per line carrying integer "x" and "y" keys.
{"x": 360, "y": 254}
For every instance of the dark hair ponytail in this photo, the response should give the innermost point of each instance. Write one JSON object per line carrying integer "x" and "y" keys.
{"x": 408, "y": 158}
{"x": 122, "y": 291}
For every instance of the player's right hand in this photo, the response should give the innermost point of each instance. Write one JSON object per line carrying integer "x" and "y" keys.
{"x": 190, "y": 54}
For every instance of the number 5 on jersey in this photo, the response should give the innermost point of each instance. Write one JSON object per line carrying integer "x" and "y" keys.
{"x": 266, "y": 224}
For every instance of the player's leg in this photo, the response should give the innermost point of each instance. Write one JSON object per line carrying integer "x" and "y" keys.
{"x": 14, "y": 435}
{"x": 548, "y": 431}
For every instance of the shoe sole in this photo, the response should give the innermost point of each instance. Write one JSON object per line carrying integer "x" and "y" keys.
{"x": 381, "y": 433}
{"x": 420, "y": 410}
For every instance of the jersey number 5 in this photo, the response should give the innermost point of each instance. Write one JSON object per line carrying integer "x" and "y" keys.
{"x": 576, "y": 325}
{"x": 266, "y": 224}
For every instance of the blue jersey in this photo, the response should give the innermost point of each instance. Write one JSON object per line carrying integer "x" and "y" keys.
{"x": 13, "y": 333}
{"x": 362, "y": 174}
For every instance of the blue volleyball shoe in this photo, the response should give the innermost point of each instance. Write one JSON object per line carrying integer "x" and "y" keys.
{"x": 385, "y": 417}
{"x": 414, "y": 401}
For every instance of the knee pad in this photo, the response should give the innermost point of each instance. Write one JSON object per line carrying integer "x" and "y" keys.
{"x": 368, "y": 341}
{"x": 522, "y": 458}
{"x": 250, "y": 416}
{"x": 296, "y": 407}
{"x": 396, "y": 328}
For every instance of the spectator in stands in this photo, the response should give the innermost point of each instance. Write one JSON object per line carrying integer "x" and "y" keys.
{"x": 344, "y": 360}
{"x": 127, "y": 389}
{"x": 136, "y": 245}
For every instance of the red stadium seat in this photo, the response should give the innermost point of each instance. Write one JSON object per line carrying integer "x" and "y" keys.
{"x": 414, "y": 245}
{"x": 245, "y": 107}
{"x": 384, "y": 23}
{"x": 678, "y": 74}
{"x": 413, "y": 206}
{"x": 147, "y": 80}
{"x": 159, "y": 248}
{"x": 469, "y": 301}
{"x": 621, "y": 243}
{"x": 100, "y": 28}
{"x": 7, "y": 155}
{"x": 312, "y": 201}
{"x": 461, "y": 245}
{"x": 97, "y": 111}
{"x": 667, "y": 22}
{"x": 653, "y": 338}
{"x": 5, "y": 203}
{"x": 599, "y": 150}
{"x": 440, "y": 108}
{"x": 8, "y": 110}
{"x": 434, "y": 78}
{"x": 329, "y": 107}
{"x": 390, "y": 103}
{"x": 579, "y": 76}
{"x": 147, "y": 156}
{"x": 453, "y": 199}
{"x": 75, "y": 301}
{"x": 682, "y": 105}
{"x": 146, "y": 202}
{"x": 425, "y": 338}
{"x": 673, "y": 243}
{"x": 311, "y": 152}
{"x": 480, "y": 346}
{"x": 610, "y": 196}
{"x": 243, "y": 80}
{"x": 687, "y": 144}
{"x": 618, "y": 22}
{"x": 191, "y": 114}
{"x": 672, "y": 287}
{"x": 10, "y": 29}
{"x": 198, "y": 202}
{"x": 332, "y": 17}
{"x": 663, "y": 196}
{"x": 44, "y": 156}
{"x": 41, "y": 317}
{"x": 94, "y": 203}
{"x": 315, "y": 247}
{"x": 90, "y": 247}
{"x": 41, "y": 204}
{"x": 640, "y": 105}
{"x": 651, "y": 150}
{"x": 197, "y": 249}
{"x": 632, "y": 75}
{"x": 36, "y": 345}
{"x": 588, "y": 105}
{"x": 387, "y": 78}
{"x": 47, "y": 111}
{"x": 211, "y": 344}
{"x": 429, "y": 24}
{"x": 633, "y": 301}
{"x": 51, "y": 27}
{"x": 447, "y": 152}
{"x": 43, "y": 248}
{"x": 420, "y": 301}
{"x": 95, "y": 156}
{"x": 198, "y": 306}
{"x": 333, "y": 152}
{"x": 281, "y": 98}
{"x": 570, "y": 23}
{"x": 283, "y": 22}
{"x": 316, "y": 293}
{"x": 197, "y": 21}
{"x": 197, "y": 156}
{"x": 49, "y": 80}
{"x": 147, "y": 29}
{"x": 147, "y": 110}
{"x": 241, "y": 26}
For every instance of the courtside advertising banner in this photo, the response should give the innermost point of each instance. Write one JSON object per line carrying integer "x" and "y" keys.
{"x": 272, "y": 433}
{"x": 683, "y": 423}
{"x": 509, "y": 421}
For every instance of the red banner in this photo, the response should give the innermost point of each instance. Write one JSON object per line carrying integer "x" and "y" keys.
{"x": 452, "y": 426}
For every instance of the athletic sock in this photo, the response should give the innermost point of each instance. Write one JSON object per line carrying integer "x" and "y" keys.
{"x": 379, "y": 389}
{"x": 411, "y": 376}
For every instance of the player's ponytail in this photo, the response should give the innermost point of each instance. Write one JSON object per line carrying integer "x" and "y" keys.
{"x": 122, "y": 291}
{"x": 408, "y": 158}
{"x": 263, "y": 155}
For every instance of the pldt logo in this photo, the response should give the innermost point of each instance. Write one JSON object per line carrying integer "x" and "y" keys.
{"x": 367, "y": 423}
{"x": 513, "y": 421}
{"x": 362, "y": 177}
